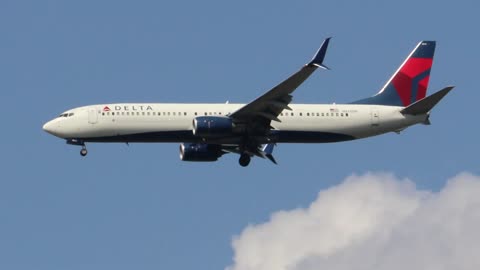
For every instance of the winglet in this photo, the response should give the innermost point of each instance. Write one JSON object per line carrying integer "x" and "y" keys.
{"x": 317, "y": 60}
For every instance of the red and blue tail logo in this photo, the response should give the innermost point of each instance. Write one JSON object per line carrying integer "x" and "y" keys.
{"x": 409, "y": 84}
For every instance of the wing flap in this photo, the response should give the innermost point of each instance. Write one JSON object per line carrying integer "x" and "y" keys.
{"x": 269, "y": 116}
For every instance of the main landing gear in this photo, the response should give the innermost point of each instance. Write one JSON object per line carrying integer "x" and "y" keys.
{"x": 244, "y": 160}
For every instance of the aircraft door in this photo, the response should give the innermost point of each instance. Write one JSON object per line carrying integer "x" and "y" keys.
{"x": 92, "y": 116}
{"x": 375, "y": 117}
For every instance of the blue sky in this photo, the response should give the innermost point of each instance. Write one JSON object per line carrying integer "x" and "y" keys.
{"x": 140, "y": 206}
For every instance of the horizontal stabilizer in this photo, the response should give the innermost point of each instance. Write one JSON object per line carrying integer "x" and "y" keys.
{"x": 425, "y": 105}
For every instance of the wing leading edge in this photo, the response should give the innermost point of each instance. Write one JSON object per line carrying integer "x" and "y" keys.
{"x": 258, "y": 113}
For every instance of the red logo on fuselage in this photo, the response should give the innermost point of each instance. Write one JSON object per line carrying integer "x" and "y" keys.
{"x": 106, "y": 109}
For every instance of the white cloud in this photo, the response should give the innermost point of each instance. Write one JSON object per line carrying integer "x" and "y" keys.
{"x": 373, "y": 221}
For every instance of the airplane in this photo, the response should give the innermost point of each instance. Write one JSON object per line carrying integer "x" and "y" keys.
{"x": 208, "y": 131}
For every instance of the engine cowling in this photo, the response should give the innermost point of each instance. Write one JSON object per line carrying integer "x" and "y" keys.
{"x": 210, "y": 126}
{"x": 200, "y": 152}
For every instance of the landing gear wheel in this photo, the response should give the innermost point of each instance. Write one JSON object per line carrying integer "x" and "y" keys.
{"x": 244, "y": 160}
{"x": 83, "y": 152}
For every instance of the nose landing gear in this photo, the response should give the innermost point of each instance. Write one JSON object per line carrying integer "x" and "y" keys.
{"x": 84, "y": 151}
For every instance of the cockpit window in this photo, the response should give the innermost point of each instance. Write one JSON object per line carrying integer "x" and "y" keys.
{"x": 66, "y": 114}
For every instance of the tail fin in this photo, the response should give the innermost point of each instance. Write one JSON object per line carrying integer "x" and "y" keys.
{"x": 409, "y": 83}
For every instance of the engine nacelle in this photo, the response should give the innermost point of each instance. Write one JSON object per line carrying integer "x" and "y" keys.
{"x": 211, "y": 126}
{"x": 200, "y": 152}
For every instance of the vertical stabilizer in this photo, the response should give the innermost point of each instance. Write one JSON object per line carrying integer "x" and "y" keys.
{"x": 410, "y": 82}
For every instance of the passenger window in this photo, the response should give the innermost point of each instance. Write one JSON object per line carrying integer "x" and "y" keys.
{"x": 300, "y": 114}
{"x": 291, "y": 114}
{"x": 308, "y": 114}
{"x": 327, "y": 114}
{"x": 337, "y": 114}
{"x": 341, "y": 114}
{"x": 173, "y": 113}
{"x": 138, "y": 113}
{"x": 346, "y": 114}
{"x": 318, "y": 114}
{"x": 103, "y": 113}
{"x": 185, "y": 113}
{"x": 196, "y": 113}
{"x": 148, "y": 113}
{"x": 323, "y": 114}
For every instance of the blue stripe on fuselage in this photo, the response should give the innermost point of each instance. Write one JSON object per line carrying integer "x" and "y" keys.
{"x": 280, "y": 136}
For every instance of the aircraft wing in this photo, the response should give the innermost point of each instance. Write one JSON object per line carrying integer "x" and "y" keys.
{"x": 258, "y": 113}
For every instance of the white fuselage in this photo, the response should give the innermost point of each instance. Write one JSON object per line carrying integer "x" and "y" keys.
{"x": 156, "y": 122}
{"x": 208, "y": 131}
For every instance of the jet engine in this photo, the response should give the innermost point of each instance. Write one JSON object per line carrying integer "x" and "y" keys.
{"x": 200, "y": 152}
{"x": 210, "y": 126}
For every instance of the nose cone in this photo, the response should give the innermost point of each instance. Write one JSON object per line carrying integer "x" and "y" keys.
{"x": 50, "y": 128}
